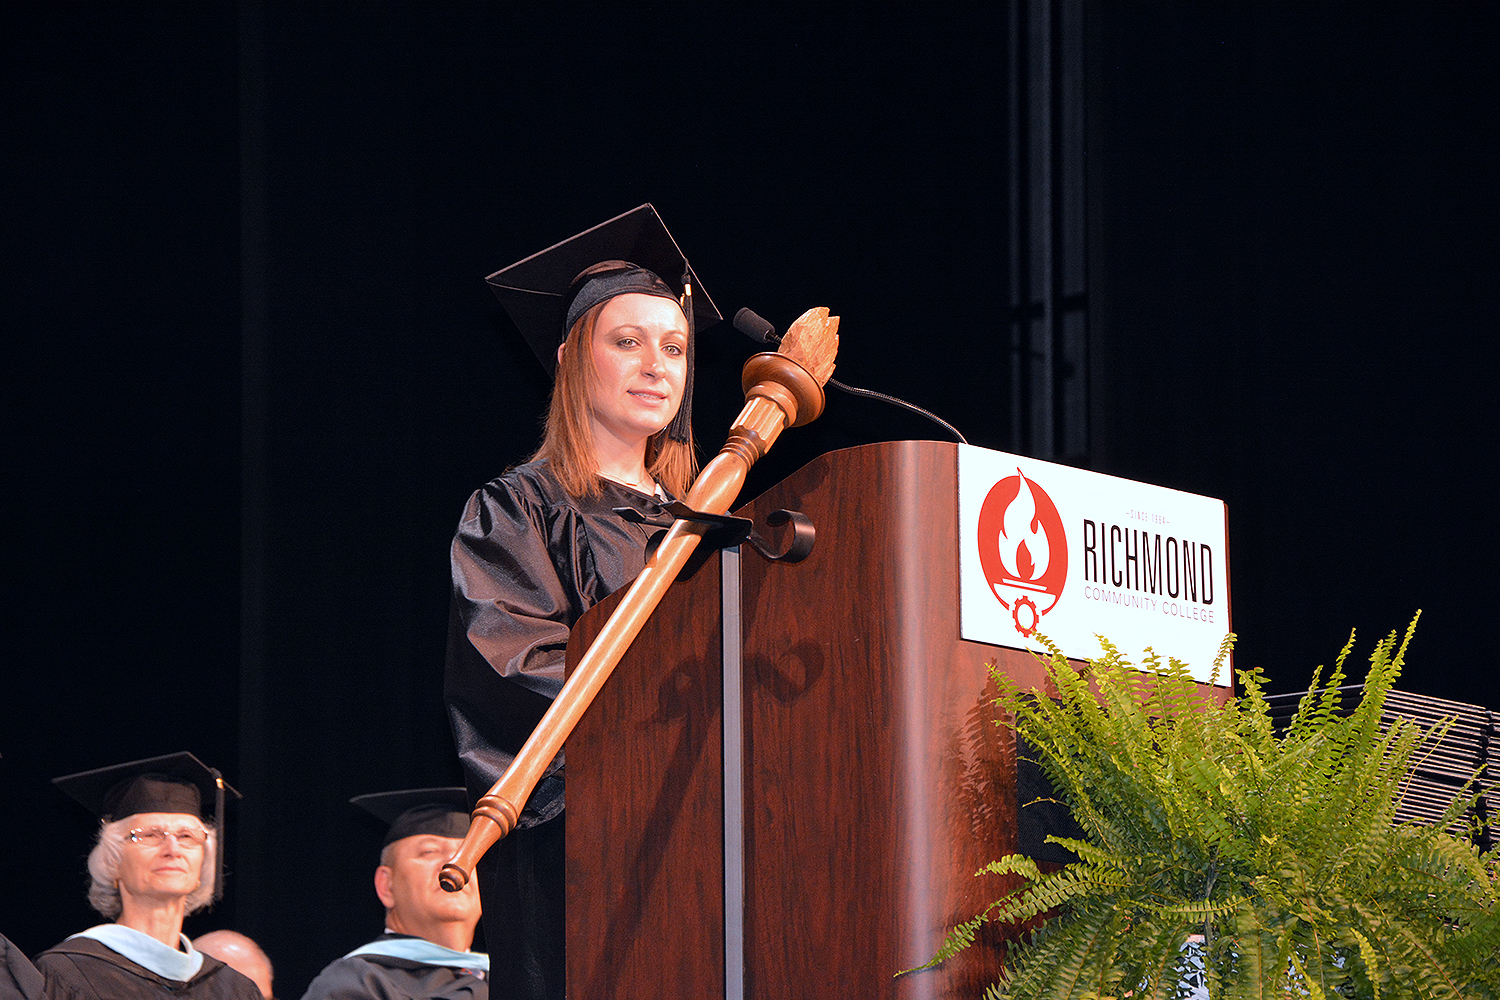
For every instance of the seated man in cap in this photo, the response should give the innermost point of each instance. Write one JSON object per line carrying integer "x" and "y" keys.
{"x": 155, "y": 861}
{"x": 424, "y": 951}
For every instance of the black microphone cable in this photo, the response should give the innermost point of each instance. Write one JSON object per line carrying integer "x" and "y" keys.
{"x": 758, "y": 329}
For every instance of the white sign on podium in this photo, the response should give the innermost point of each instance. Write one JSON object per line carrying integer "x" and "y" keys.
{"x": 1075, "y": 555}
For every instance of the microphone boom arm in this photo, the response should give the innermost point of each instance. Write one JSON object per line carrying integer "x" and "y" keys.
{"x": 759, "y": 329}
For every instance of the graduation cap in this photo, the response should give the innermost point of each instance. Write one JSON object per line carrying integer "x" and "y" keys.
{"x": 547, "y": 292}
{"x": 171, "y": 783}
{"x": 442, "y": 812}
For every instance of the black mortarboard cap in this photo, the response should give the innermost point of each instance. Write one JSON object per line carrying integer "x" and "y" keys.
{"x": 443, "y": 812}
{"x": 538, "y": 292}
{"x": 534, "y": 291}
{"x": 175, "y": 782}
{"x": 171, "y": 783}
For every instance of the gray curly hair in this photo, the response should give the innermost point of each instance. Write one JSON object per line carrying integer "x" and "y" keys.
{"x": 104, "y": 869}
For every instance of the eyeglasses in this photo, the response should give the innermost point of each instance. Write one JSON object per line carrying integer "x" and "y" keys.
{"x": 155, "y": 836}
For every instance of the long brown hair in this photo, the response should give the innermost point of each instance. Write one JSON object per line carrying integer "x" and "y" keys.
{"x": 568, "y": 439}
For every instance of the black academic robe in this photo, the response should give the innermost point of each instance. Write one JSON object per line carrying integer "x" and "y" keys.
{"x": 381, "y": 977}
{"x": 528, "y": 560}
{"x": 19, "y": 979}
{"x": 81, "y": 968}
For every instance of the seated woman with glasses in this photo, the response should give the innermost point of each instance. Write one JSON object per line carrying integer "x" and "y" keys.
{"x": 155, "y": 861}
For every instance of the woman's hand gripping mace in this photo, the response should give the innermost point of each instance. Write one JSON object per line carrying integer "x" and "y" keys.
{"x": 782, "y": 390}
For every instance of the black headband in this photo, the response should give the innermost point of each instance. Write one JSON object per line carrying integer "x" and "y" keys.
{"x": 603, "y": 282}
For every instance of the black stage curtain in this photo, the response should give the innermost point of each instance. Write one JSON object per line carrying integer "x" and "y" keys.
{"x": 256, "y": 371}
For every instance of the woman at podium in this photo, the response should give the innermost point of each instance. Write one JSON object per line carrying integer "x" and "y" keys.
{"x": 612, "y": 314}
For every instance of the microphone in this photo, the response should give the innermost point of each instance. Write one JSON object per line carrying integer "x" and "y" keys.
{"x": 757, "y": 329}
{"x": 762, "y": 332}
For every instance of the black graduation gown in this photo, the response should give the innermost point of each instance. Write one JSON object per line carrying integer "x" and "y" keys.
{"x": 528, "y": 560}
{"x": 381, "y": 977}
{"x": 19, "y": 979}
{"x": 81, "y": 968}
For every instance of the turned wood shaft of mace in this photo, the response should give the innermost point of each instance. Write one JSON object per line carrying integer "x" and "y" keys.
{"x": 779, "y": 393}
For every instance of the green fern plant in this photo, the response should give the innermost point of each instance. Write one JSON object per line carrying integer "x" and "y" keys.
{"x": 1258, "y": 864}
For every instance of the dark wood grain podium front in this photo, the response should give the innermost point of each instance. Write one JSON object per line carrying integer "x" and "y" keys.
{"x": 872, "y": 782}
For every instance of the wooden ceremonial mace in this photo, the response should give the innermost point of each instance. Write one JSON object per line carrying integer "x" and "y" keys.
{"x": 782, "y": 389}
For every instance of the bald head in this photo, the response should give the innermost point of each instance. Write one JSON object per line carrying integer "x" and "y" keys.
{"x": 239, "y": 953}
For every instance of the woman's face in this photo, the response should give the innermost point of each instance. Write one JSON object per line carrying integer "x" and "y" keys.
{"x": 640, "y": 366}
{"x": 165, "y": 870}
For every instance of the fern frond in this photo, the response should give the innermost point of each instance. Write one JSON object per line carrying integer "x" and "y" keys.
{"x": 956, "y": 940}
{"x": 1411, "y": 958}
{"x": 1226, "y": 646}
{"x": 1305, "y": 984}
{"x": 1066, "y": 960}
{"x": 1370, "y": 964}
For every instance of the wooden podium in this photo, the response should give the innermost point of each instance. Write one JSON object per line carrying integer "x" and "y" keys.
{"x": 786, "y": 787}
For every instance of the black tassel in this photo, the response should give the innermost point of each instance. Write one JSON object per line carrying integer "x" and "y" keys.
{"x": 219, "y": 822}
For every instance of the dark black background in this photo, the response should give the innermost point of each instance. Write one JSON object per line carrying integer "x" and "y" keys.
{"x": 252, "y": 371}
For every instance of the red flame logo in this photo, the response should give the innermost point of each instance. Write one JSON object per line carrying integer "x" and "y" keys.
{"x": 1022, "y": 549}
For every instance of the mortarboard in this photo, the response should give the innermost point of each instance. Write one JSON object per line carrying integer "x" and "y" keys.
{"x": 172, "y": 783}
{"x": 543, "y": 294}
{"x": 443, "y": 812}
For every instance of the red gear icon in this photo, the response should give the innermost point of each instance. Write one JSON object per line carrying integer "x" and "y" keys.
{"x": 1015, "y": 614}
